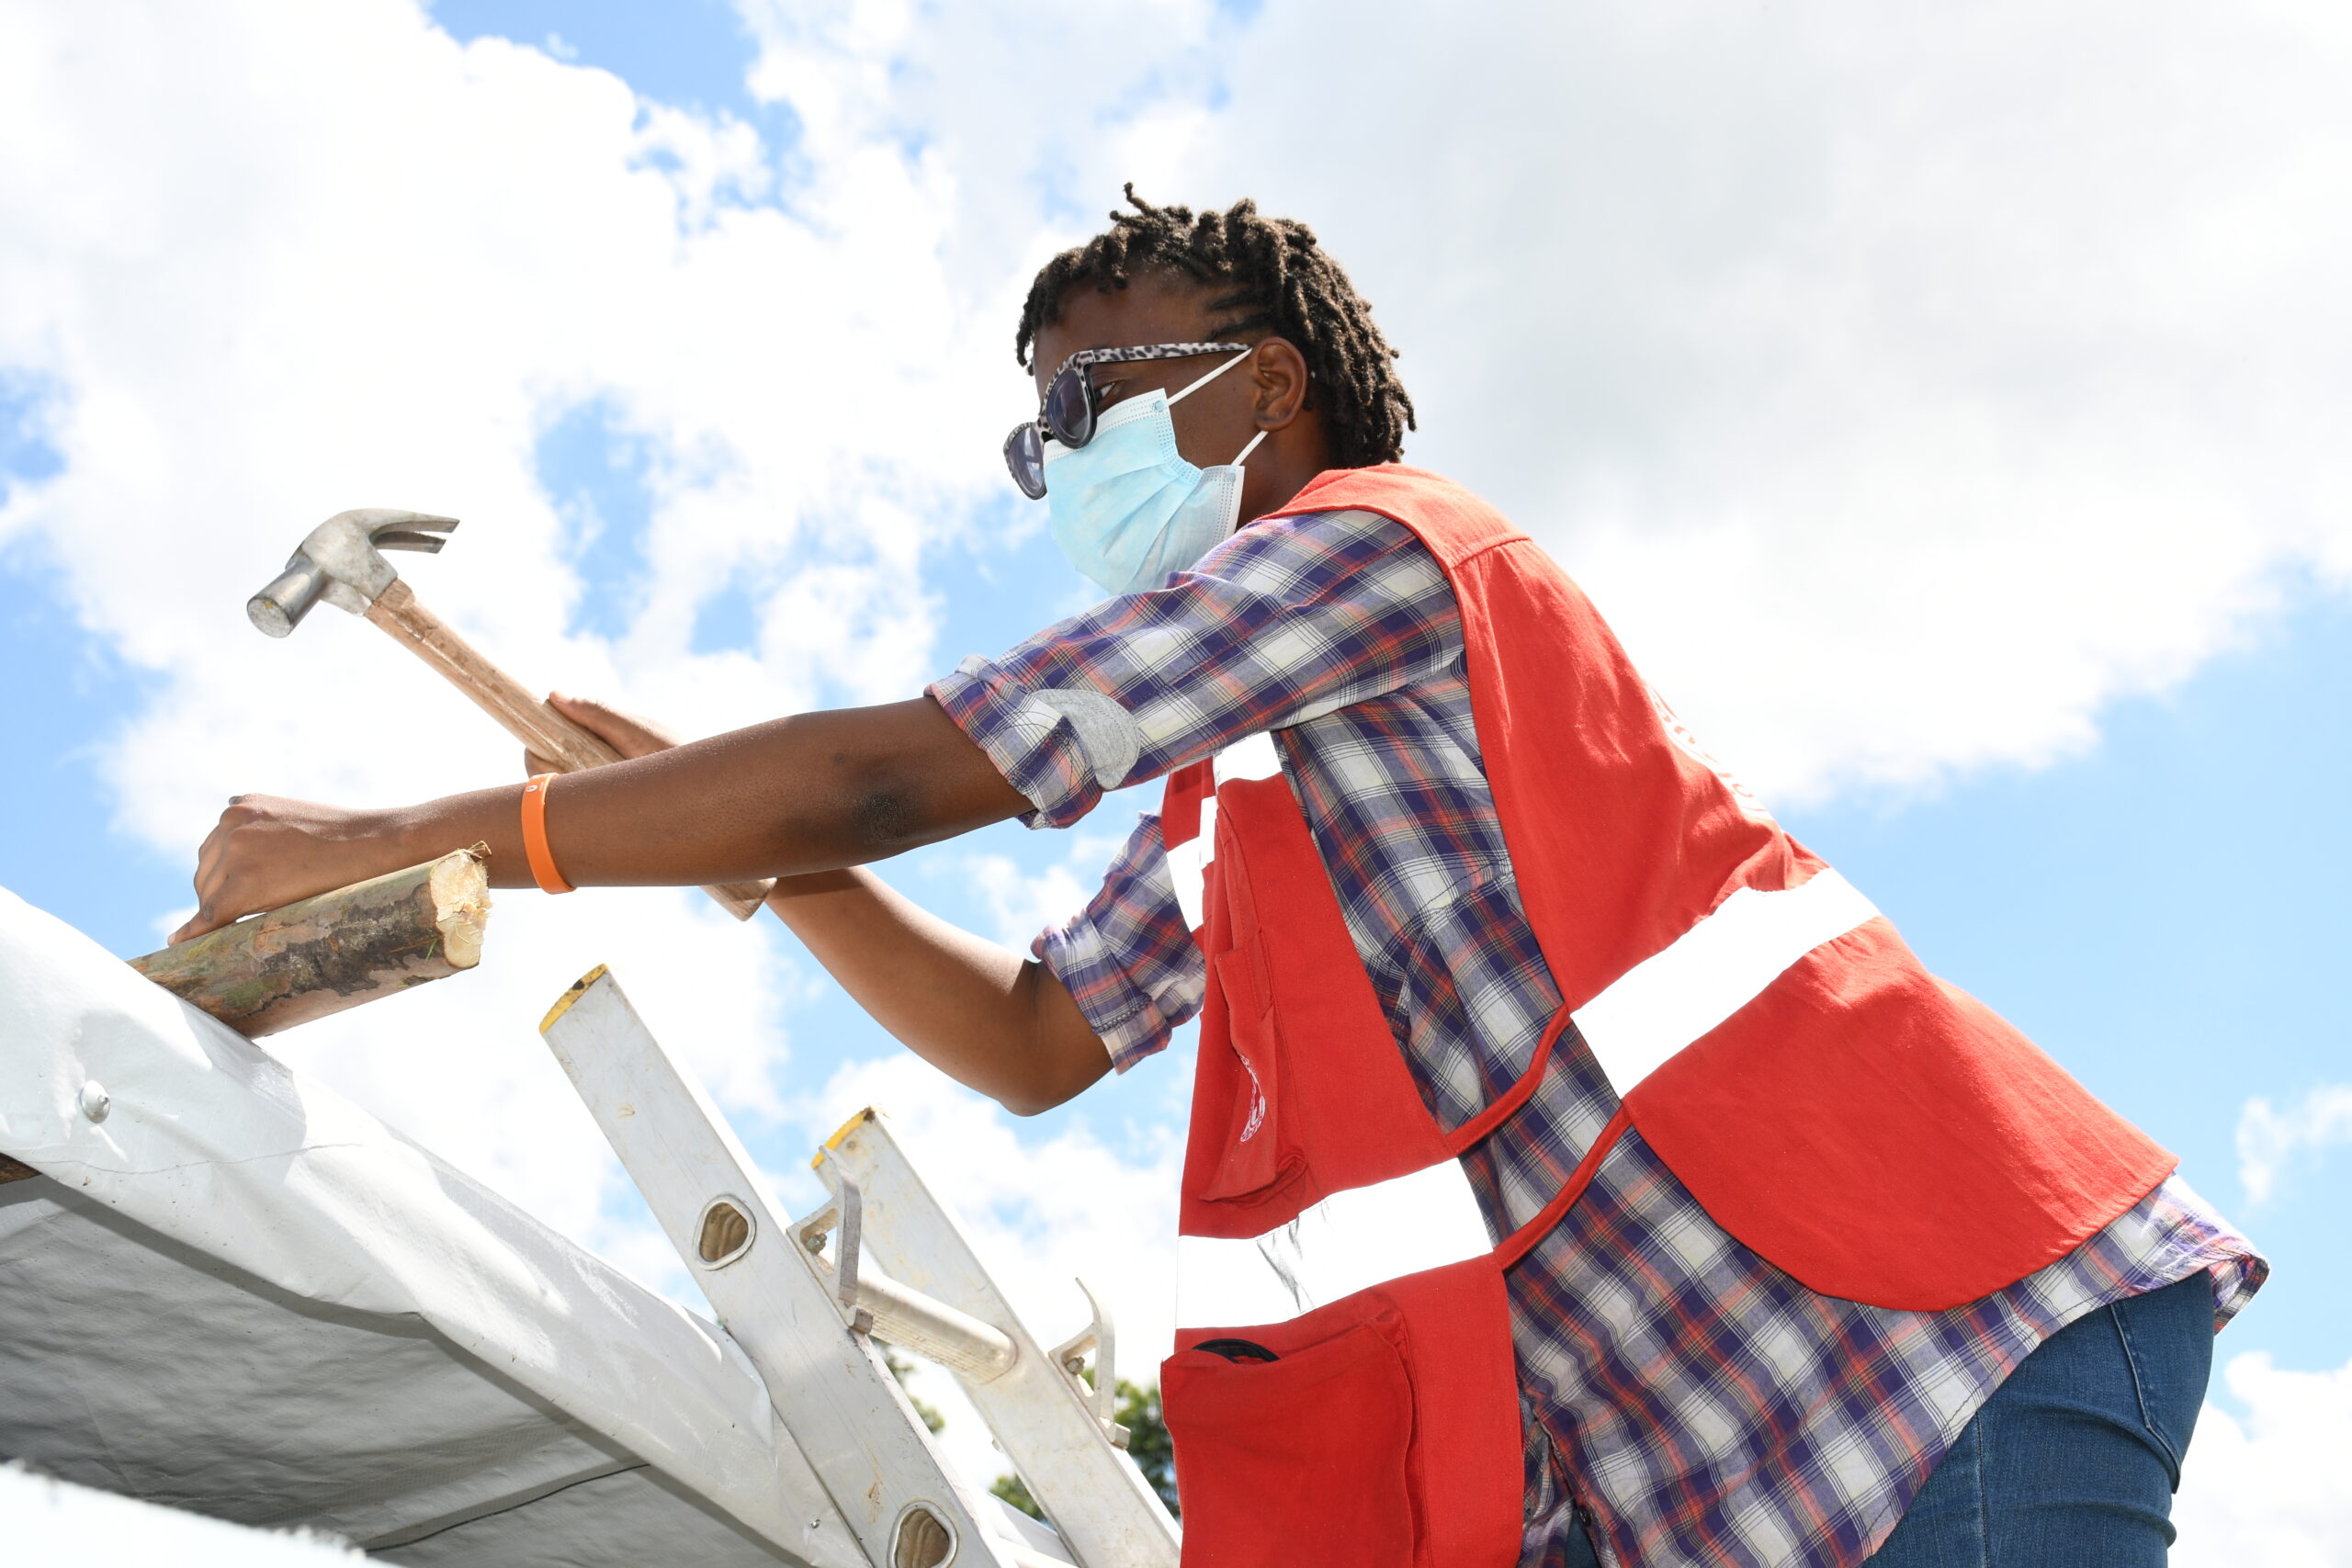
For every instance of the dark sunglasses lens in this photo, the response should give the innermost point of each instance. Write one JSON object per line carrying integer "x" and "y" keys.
{"x": 1069, "y": 410}
{"x": 1025, "y": 455}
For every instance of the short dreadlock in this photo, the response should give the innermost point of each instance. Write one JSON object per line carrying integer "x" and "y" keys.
{"x": 1268, "y": 271}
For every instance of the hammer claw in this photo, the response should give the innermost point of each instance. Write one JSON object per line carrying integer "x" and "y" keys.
{"x": 394, "y": 530}
{"x": 377, "y": 518}
{"x": 401, "y": 539}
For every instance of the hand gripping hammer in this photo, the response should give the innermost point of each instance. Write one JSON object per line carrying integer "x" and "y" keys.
{"x": 342, "y": 561}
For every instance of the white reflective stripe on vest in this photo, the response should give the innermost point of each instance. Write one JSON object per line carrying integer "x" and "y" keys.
{"x": 1348, "y": 1240}
{"x": 1711, "y": 970}
{"x": 1251, "y": 757}
{"x": 1188, "y": 867}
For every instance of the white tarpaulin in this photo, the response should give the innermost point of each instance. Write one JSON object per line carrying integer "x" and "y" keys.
{"x": 238, "y": 1293}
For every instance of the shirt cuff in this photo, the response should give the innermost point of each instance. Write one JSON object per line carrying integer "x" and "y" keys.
{"x": 1060, "y": 748}
{"x": 1125, "y": 1017}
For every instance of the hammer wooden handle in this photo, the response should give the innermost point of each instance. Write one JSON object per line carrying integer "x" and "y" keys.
{"x": 525, "y": 717}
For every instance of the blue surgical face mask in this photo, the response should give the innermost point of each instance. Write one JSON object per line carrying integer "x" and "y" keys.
{"x": 1126, "y": 508}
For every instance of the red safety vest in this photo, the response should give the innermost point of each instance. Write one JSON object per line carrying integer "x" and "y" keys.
{"x": 1344, "y": 1388}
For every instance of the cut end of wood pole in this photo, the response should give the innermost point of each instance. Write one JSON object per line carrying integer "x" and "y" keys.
{"x": 325, "y": 954}
{"x": 741, "y": 899}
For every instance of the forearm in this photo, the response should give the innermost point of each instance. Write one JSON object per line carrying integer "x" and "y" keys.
{"x": 982, "y": 1014}
{"x": 816, "y": 792}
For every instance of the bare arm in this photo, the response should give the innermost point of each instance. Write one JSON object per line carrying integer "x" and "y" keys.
{"x": 816, "y": 792}
{"x": 982, "y": 1014}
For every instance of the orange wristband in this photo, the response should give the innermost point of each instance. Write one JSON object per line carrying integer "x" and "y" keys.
{"x": 535, "y": 837}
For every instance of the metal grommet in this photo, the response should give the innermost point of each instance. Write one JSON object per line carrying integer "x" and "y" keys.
{"x": 724, "y": 1233}
{"x": 922, "y": 1539}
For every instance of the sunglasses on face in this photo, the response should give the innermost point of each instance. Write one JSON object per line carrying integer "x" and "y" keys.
{"x": 1073, "y": 405}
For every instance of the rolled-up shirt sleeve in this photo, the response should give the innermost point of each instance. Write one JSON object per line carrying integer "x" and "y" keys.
{"x": 1137, "y": 973}
{"x": 1289, "y": 619}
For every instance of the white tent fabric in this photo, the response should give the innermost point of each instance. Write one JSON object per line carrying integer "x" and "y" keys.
{"x": 239, "y": 1294}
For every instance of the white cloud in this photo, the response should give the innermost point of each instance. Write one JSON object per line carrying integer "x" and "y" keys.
{"x": 1020, "y": 903}
{"x": 2268, "y": 1491}
{"x": 2269, "y": 1139}
{"x": 1907, "y": 382}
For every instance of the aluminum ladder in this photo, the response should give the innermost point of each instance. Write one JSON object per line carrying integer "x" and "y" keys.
{"x": 881, "y": 1260}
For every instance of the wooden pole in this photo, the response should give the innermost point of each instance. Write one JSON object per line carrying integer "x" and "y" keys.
{"x": 318, "y": 957}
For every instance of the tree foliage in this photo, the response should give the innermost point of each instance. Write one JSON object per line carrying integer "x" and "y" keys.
{"x": 899, "y": 1367}
{"x": 1148, "y": 1444}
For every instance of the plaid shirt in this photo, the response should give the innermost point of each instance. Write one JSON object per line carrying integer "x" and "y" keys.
{"x": 1685, "y": 1398}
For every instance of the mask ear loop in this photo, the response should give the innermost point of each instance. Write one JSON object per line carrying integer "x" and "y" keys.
{"x": 1205, "y": 381}
{"x": 1211, "y": 375}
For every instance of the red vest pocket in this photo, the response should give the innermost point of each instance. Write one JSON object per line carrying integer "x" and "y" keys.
{"x": 1384, "y": 1434}
{"x": 1298, "y": 1460}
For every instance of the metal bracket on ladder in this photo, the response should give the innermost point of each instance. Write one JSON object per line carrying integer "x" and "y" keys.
{"x": 1102, "y": 1398}
{"x": 899, "y": 1270}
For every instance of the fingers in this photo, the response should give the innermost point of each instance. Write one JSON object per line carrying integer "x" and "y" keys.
{"x": 197, "y": 925}
{"x": 264, "y": 852}
{"x": 207, "y": 880}
{"x": 625, "y": 733}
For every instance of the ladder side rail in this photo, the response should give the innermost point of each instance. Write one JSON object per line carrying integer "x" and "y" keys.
{"x": 1106, "y": 1513}
{"x": 831, "y": 1388}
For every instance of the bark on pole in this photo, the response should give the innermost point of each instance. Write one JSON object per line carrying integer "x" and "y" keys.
{"x": 318, "y": 957}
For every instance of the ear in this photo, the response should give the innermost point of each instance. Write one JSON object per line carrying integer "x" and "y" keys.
{"x": 1279, "y": 375}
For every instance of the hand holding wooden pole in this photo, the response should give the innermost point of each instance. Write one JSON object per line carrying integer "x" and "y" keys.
{"x": 322, "y": 955}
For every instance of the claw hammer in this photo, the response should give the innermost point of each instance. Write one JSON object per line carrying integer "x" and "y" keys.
{"x": 342, "y": 561}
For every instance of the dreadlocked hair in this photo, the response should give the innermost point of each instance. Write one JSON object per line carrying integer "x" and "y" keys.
{"x": 1275, "y": 281}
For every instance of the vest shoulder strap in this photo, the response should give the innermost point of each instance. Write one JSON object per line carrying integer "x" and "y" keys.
{"x": 1453, "y": 523}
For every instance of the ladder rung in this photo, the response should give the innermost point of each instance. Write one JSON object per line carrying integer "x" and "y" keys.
{"x": 935, "y": 1330}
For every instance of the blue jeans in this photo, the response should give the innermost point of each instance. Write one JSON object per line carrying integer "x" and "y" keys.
{"x": 2074, "y": 1460}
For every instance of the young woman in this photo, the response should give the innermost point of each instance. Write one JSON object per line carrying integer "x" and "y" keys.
{"x": 1579, "y": 1170}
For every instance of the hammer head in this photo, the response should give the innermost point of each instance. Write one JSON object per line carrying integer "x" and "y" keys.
{"x": 342, "y": 561}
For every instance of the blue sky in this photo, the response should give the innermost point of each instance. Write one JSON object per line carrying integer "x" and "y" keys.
{"x": 693, "y": 52}
{"x": 2020, "y": 583}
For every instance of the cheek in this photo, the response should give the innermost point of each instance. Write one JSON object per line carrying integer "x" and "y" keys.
{"x": 1213, "y": 423}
